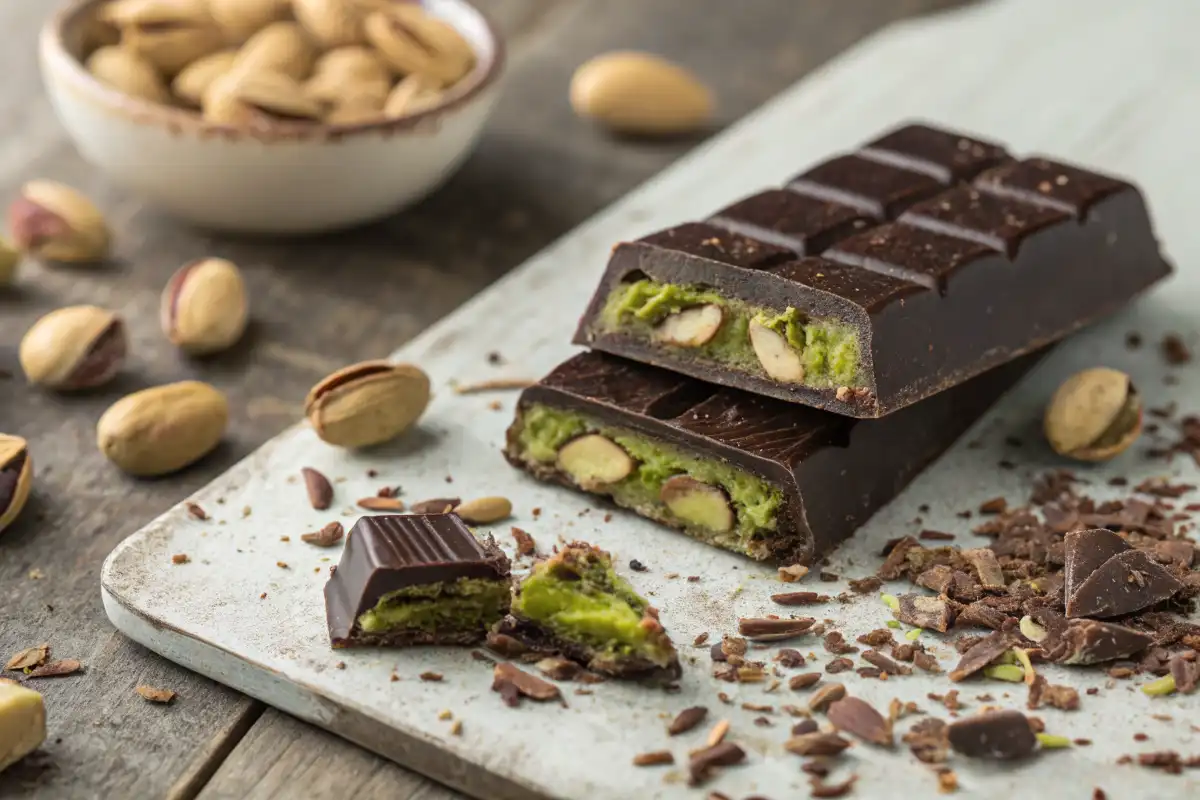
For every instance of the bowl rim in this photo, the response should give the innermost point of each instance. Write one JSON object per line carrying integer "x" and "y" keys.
{"x": 486, "y": 73}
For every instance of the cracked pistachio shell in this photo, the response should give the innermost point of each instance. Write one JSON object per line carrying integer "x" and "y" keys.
{"x": 367, "y": 403}
{"x": 128, "y": 73}
{"x": 194, "y": 81}
{"x": 412, "y": 41}
{"x": 204, "y": 308}
{"x": 53, "y": 221}
{"x": 164, "y": 429}
{"x": 16, "y": 478}
{"x": 78, "y": 347}
{"x": 241, "y": 19}
{"x": 280, "y": 47}
{"x": 1094, "y": 415}
{"x": 10, "y": 259}
{"x": 640, "y": 94}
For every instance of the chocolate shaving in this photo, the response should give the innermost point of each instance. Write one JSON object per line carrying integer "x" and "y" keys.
{"x": 800, "y": 598}
{"x": 1043, "y": 693}
{"x": 986, "y": 567}
{"x": 815, "y": 743}
{"x": 937, "y": 536}
{"x": 788, "y": 657}
{"x": 722, "y": 754}
{"x": 318, "y": 487}
{"x": 997, "y": 505}
{"x": 437, "y": 505}
{"x": 878, "y": 659}
{"x": 868, "y": 585}
{"x": 836, "y": 643}
{"x": 857, "y": 717}
{"x": 766, "y": 629}
{"x": 513, "y": 683}
{"x": 328, "y": 536}
{"x": 686, "y": 720}
{"x": 922, "y": 611}
{"x": 196, "y": 512}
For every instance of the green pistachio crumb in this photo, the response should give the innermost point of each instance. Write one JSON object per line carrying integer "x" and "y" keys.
{"x": 1009, "y": 657}
{"x": 1162, "y": 686}
{"x": 1031, "y": 630}
{"x": 1005, "y": 672}
{"x": 1026, "y": 664}
{"x": 1051, "y": 742}
{"x": 914, "y": 634}
{"x": 892, "y": 623}
{"x": 890, "y": 601}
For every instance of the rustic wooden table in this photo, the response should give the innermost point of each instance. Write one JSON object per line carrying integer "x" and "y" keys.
{"x": 317, "y": 304}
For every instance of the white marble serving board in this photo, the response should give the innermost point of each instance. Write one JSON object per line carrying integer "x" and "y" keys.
{"x": 1110, "y": 83}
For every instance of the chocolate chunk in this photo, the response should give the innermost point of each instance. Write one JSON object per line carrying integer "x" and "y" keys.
{"x": 839, "y": 665}
{"x": 1125, "y": 583}
{"x": 925, "y": 612}
{"x": 722, "y": 754}
{"x": 993, "y": 734}
{"x": 859, "y": 718}
{"x": 816, "y": 743}
{"x": 868, "y": 585}
{"x": 877, "y": 638}
{"x": 686, "y": 720}
{"x": 878, "y": 659}
{"x": 788, "y": 657}
{"x": 926, "y": 662}
{"x": 513, "y": 684}
{"x": 1042, "y": 692}
{"x": 980, "y": 655}
{"x": 979, "y": 613}
{"x": 986, "y": 567}
{"x": 928, "y": 741}
{"x": 836, "y": 643}
{"x": 388, "y": 554}
{"x": 1089, "y": 641}
{"x": 832, "y": 472}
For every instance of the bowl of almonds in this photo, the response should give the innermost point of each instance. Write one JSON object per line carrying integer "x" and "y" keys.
{"x": 274, "y": 116}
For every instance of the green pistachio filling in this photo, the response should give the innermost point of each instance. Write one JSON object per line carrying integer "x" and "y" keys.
{"x": 543, "y": 431}
{"x": 829, "y": 350}
{"x": 591, "y": 604}
{"x": 465, "y": 604}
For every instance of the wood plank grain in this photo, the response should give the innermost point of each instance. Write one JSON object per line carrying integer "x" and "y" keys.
{"x": 318, "y": 303}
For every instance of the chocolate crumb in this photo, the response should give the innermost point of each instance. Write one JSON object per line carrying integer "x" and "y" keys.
{"x": 790, "y": 658}
{"x": 180, "y": 558}
{"x": 636, "y": 565}
{"x": 940, "y": 536}
{"x": 526, "y": 546}
{"x": 653, "y": 759}
{"x": 839, "y": 665}
{"x": 513, "y": 684}
{"x": 686, "y": 720}
{"x": 1175, "y": 351}
{"x": 818, "y": 787}
{"x": 868, "y": 585}
{"x": 997, "y": 505}
{"x": 328, "y": 536}
{"x": 195, "y": 511}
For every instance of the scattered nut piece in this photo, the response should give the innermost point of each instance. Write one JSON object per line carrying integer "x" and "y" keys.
{"x": 29, "y": 657}
{"x": 52, "y": 221}
{"x": 56, "y": 669}
{"x": 73, "y": 348}
{"x": 779, "y": 359}
{"x": 653, "y": 759}
{"x": 691, "y": 327}
{"x": 640, "y": 94}
{"x": 328, "y": 536}
{"x": 318, "y": 487}
{"x": 381, "y": 504}
{"x": 1094, "y": 415}
{"x": 792, "y": 573}
{"x": 180, "y": 558}
{"x": 163, "y": 696}
{"x": 438, "y": 505}
{"x": 484, "y": 510}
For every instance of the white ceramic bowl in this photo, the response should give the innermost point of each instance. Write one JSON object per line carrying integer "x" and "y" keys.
{"x": 294, "y": 178}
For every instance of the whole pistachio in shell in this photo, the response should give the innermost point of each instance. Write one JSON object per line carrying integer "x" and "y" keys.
{"x": 10, "y": 259}
{"x": 191, "y": 84}
{"x": 258, "y": 99}
{"x": 1094, "y": 415}
{"x": 170, "y": 34}
{"x": 78, "y": 347}
{"x": 367, "y": 403}
{"x": 163, "y": 429}
{"x": 204, "y": 307}
{"x": 412, "y": 40}
{"x": 129, "y": 73}
{"x": 53, "y": 221}
{"x": 280, "y": 47}
{"x": 241, "y": 19}
{"x": 16, "y": 478}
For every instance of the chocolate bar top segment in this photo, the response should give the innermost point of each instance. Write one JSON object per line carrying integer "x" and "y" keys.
{"x": 944, "y": 155}
{"x": 911, "y": 254}
{"x": 876, "y": 188}
{"x": 805, "y": 225}
{"x": 386, "y": 553}
{"x": 996, "y": 221}
{"x": 698, "y": 240}
{"x": 1043, "y": 182}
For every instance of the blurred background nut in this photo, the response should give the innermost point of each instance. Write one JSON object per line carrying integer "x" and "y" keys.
{"x": 78, "y": 347}
{"x": 347, "y": 71}
{"x": 367, "y": 403}
{"x": 414, "y": 93}
{"x": 10, "y": 259}
{"x": 280, "y": 47}
{"x": 413, "y": 41}
{"x": 245, "y": 99}
{"x": 16, "y": 478}
{"x": 1094, "y": 415}
{"x": 53, "y": 221}
{"x": 204, "y": 306}
{"x": 241, "y": 19}
{"x": 163, "y": 429}
{"x": 335, "y": 23}
{"x": 126, "y": 71}
{"x": 358, "y": 109}
{"x": 640, "y": 94}
{"x": 170, "y": 34}
{"x": 196, "y": 78}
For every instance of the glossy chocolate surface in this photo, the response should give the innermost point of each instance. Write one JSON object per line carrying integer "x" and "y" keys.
{"x": 834, "y": 471}
{"x": 390, "y": 552}
{"x": 945, "y": 253}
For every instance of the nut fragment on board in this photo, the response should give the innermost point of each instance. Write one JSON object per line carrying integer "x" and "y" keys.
{"x": 1094, "y": 415}
{"x": 163, "y": 429}
{"x": 53, "y": 221}
{"x": 367, "y": 403}
{"x": 413, "y": 41}
{"x": 78, "y": 347}
{"x": 22, "y": 723}
{"x": 640, "y": 94}
{"x": 318, "y": 487}
{"x": 16, "y": 478}
{"x": 194, "y": 81}
{"x": 127, "y": 72}
{"x": 204, "y": 307}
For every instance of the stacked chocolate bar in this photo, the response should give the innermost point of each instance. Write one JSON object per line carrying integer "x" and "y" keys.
{"x": 765, "y": 379}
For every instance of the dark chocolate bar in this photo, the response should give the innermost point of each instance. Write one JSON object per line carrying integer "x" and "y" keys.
{"x": 880, "y": 277}
{"x": 415, "y": 579}
{"x": 771, "y": 480}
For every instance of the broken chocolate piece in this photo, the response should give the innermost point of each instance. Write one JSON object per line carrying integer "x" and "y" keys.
{"x": 1125, "y": 583}
{"x": 925, "y": 612}
{"x": 767, "y": 629}
{"x": 686, "y": 720}
{"x": 860, "y": 718}
{"x": 878, "y": 659}
{"x": 799, "y": 598}
{"x": 722, "y": 754}
{"x": 993, "y": 734}
{"x": 815, "y": 743}
{"x": 980, "y": 655}
{"x": 928, "y": 741}
{"x": 575, "y": 605}
{"x": 986, "y": 566}
{"x": 513, "y": 683}
{"x": 415, "y": 579}
{"x": 1085, "y": 551}
{"x": 1042, "y": 692}
{"x": 1089, "y": 641}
